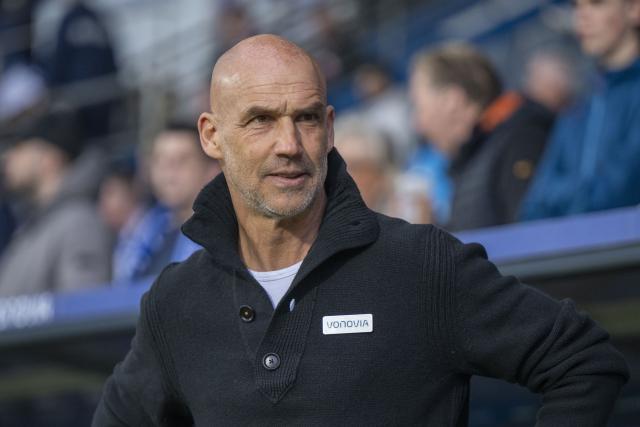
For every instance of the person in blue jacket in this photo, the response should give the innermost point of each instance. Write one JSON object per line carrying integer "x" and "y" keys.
{"x": 593, "y": 159}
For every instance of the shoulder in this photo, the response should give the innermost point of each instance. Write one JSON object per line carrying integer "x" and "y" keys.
{"x": 426, "y": 240}
{"x": 74, "y": 216}
{"x": 181, "y": 282}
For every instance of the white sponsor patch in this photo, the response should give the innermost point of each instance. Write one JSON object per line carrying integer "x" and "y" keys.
{"x": 350, "y": 324}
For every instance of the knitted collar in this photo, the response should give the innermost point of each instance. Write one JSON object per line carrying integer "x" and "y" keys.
{"x": 347, "y": 222}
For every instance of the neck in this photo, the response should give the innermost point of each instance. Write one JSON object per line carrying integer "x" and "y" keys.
{"x": 268, "y": 244}
{"x": 626, "y": 52}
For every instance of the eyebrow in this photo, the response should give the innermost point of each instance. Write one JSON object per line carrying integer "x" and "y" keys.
{"x": 259, "y": 110}
{"x": 316, "y": 107}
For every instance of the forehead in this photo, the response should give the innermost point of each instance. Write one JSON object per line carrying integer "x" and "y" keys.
{"x": 27, "y": 145}
{"x": 274, "y": 83}
{"x": 422, "y": 85}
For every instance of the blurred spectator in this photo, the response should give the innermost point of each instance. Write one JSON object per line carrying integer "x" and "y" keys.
{"x": 84, "y": 53}
{"x": 385, "y": 106}
{"x": 61, "y": 245}
{"x": 432, "y": 165}
{"x": 22, "y": 86}
{"x": 411, "y": 199}
{"x": 119, "y": 198}
{"x": 22, "y": 91}
{"x": 493, "y": 139}
{"x": 550, "y": 79}
{"x": 333, "y": 44}
{"x": 16, "y": 19}
{"x": 366, "y": 153}
{"x": 178, "y": 170}
{"x": 234, "y": 24}
{"x": 593, "y": 160}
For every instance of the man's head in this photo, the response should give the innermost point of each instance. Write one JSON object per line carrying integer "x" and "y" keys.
{"x": 450, "y": 86}
{"x": 178, "y": 168}
{"x": 366, "y": 153}
{"x": 269, "y": 126}
{"x": 550, "y": 79}
{"x": 41, "y": 153}
{"x": 609, "y": 30}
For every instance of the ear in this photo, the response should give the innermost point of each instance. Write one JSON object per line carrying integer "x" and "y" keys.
{"x": 209, "y": 136}
{"x": 331, "y": 116}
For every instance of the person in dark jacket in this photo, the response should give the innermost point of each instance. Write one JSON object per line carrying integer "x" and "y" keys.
{"x": 83, "y": 69}
{"x": 307, "y": 308}
{"x": 493, "y": 139}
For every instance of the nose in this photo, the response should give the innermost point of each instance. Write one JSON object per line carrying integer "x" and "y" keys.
{"x": 287, "y": 142}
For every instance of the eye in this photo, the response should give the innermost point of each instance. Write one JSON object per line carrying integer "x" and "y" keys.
{"x": 309, "y": 117}
{"x": 261, "y": 119}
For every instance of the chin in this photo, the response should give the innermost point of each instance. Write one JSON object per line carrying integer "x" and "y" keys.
{"x": 289, "y": 208}
{"x": 288, "y": 211}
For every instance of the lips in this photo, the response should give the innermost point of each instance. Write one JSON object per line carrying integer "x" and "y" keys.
{"x": 291, "y": 174}
{"x": 288, "y": 178}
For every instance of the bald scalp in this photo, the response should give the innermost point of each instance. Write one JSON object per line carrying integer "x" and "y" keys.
{"x": 257, "y": 55}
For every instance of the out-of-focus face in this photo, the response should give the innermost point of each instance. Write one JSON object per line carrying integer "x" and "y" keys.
{"x": 178, "y": 169}
{"x": 22, "y": 166}
{"x": 117, "y": 201}
{"x": 425, "y": 99}
{"x": 274, "y": 133}
{"x": 549, "y": 81}
{"x": 369, "y": 174}
{"x": 437, "y": 114}
{"x": 603, "y": 27}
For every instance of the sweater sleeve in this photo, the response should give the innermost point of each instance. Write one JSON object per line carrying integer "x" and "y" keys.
{"x": 138, "y": 392}
{"x": 508, "y": 330}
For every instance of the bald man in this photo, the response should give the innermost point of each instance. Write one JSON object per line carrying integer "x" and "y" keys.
{"x": 307, "y": 308}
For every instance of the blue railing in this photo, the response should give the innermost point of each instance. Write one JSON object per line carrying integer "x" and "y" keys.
{"x": 561, "y": 241}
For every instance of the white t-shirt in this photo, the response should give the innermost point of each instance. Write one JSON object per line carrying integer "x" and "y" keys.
{"x": 277, "y": 282}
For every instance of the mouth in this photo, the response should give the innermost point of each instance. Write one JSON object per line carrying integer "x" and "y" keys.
{"x": 291, "y": 178}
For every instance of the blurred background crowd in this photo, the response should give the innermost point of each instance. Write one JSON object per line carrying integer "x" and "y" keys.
{"x": 466, "y": 114}
{"x": 498, "y": 113}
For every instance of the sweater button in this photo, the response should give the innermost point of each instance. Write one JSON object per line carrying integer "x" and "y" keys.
{"x": 271, "y": 361}
{"x": 247, "y": 314}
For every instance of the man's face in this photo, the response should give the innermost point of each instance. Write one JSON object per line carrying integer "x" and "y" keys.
{"x": 603, "y": 25}
{"x": 178, "y": 169}
{"x": 22, "y": 165}
{"x": 434, "y": 112}
{"x": 424, "y": 99}
{"x": 274, "y": 134}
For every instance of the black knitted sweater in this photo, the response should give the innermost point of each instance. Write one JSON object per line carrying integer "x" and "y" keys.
{"x": 440, "y": 313}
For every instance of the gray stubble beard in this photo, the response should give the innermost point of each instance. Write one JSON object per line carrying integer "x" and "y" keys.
{"x": 260, "y": 205}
